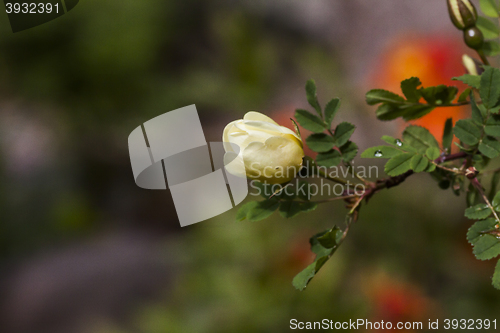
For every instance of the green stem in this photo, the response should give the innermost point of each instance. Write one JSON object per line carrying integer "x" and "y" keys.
{"x": 332, "y": 199}
{"x": 333, "y": 179}
{"x": 483, "y": 57}
{"x": 440, "y": 106}
{"x": 479, "y": 188}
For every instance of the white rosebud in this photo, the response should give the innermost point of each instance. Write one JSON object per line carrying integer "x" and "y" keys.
{"x": 463, "y": 14}
{"x": 268, "y": 152}
{"x": 472, "y": 66}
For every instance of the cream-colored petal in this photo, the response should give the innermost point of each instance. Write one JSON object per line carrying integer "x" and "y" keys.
{"x": 257, "y": 116}
{"x": 243, "y": 139}
{"x": 234, "y": 164}
{"x": 286, "y": 130}
{"x": 229, "y": 128}
{"x": 231, "y": 131}
{"x": 262, "y": 126}
{"x": 275, "y": 161}
{"x": 270, "y": 128}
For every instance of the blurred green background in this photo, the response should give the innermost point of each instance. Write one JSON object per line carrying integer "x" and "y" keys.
{"x": 82, "y": 249}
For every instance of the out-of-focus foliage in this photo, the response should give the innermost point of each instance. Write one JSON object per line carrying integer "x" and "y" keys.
{"x": 71, "y": 91}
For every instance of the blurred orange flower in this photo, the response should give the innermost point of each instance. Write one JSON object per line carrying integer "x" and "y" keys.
{"x": 396, "y": 301}
{"x": 433, "y": 59}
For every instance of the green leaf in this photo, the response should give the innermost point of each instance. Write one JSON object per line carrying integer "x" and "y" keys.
{"x": 263, "y": 209}
{"x": 319, "y": 250}
{"x": 265, "y": 189}
{"x": 323, "y": 245}
{"x": 488, "y": 28}
{"x": 478, "y": 229}
{"x": 398, "y": 144}
{"x": 320, "y": 142}
{"x": 329, "y": 159}
{"x": 462, "y": 148}
{"x": 490, "y": 87}
{"x": 431, "y": 168}
{"x": 304, "y": 190}
{"x": 409, "y": 89}
{"x": 331, "y": 110}
{"x": 301, "y": 280}
{"x": 392, "y": 141}
{"x": 330, "y": 238}
{"x": 290, "y": 209}
{"x": 349, "y": 151}
{"x": 477, "y": 115}
{"x": 399, "y": 164}
{"x": 479, "y": 211}
{"x": 490, "y": 147}
{"x": 480, "y": 107}
{"x": 448, "y": 134}
{"x": 381, "y": 152}
{"x": 312, "y": 97}
{"x": 389, "y": 112}
{"x": 493, "y": 189}
{"x": 343, "y": 133}
{"x": 496, "y": 276}
{"x": 419, "y": 163}
{"x": 489, "y": 8}
{"x": 472, "y": 80}
{"x": 480, "y": 161}
{"x": 486, "y": 247}
{"x": 492, "y": 126}
{"x": 243, "y": 211}
{"x": 496, "y": 202}
{"x": 309, "y": 121}
{"x": 471, "y": 195}
{"x": 416, "y": 111}
{"x": 419, "y": 138}
{"x": 432, "y": 153}
{"x": 467, "y": 131}
{"x": 491, "y": 48}
{"x": 439, "y": 95}
{"x": 463, "y": 96}
{"x": 377, "y": 96}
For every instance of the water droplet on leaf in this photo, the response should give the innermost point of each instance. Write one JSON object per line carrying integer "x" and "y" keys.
{"x": 399, "y": 143}
{"x": 378, "y": 153}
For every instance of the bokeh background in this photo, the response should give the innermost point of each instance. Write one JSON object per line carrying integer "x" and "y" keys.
{"x": 82, "y": 249}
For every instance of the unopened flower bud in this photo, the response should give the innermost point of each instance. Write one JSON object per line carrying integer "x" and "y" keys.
{"x": 473, "y": 66}
{"x": 473, "y": 38}
{"x": 463, "y": 14}
{"x": 471, "y": 173}
{"x": 267, "y": 152}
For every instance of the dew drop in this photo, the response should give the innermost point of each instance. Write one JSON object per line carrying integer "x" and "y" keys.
{"x": 378, "y": 153}
{"x": 399, "y": 143}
